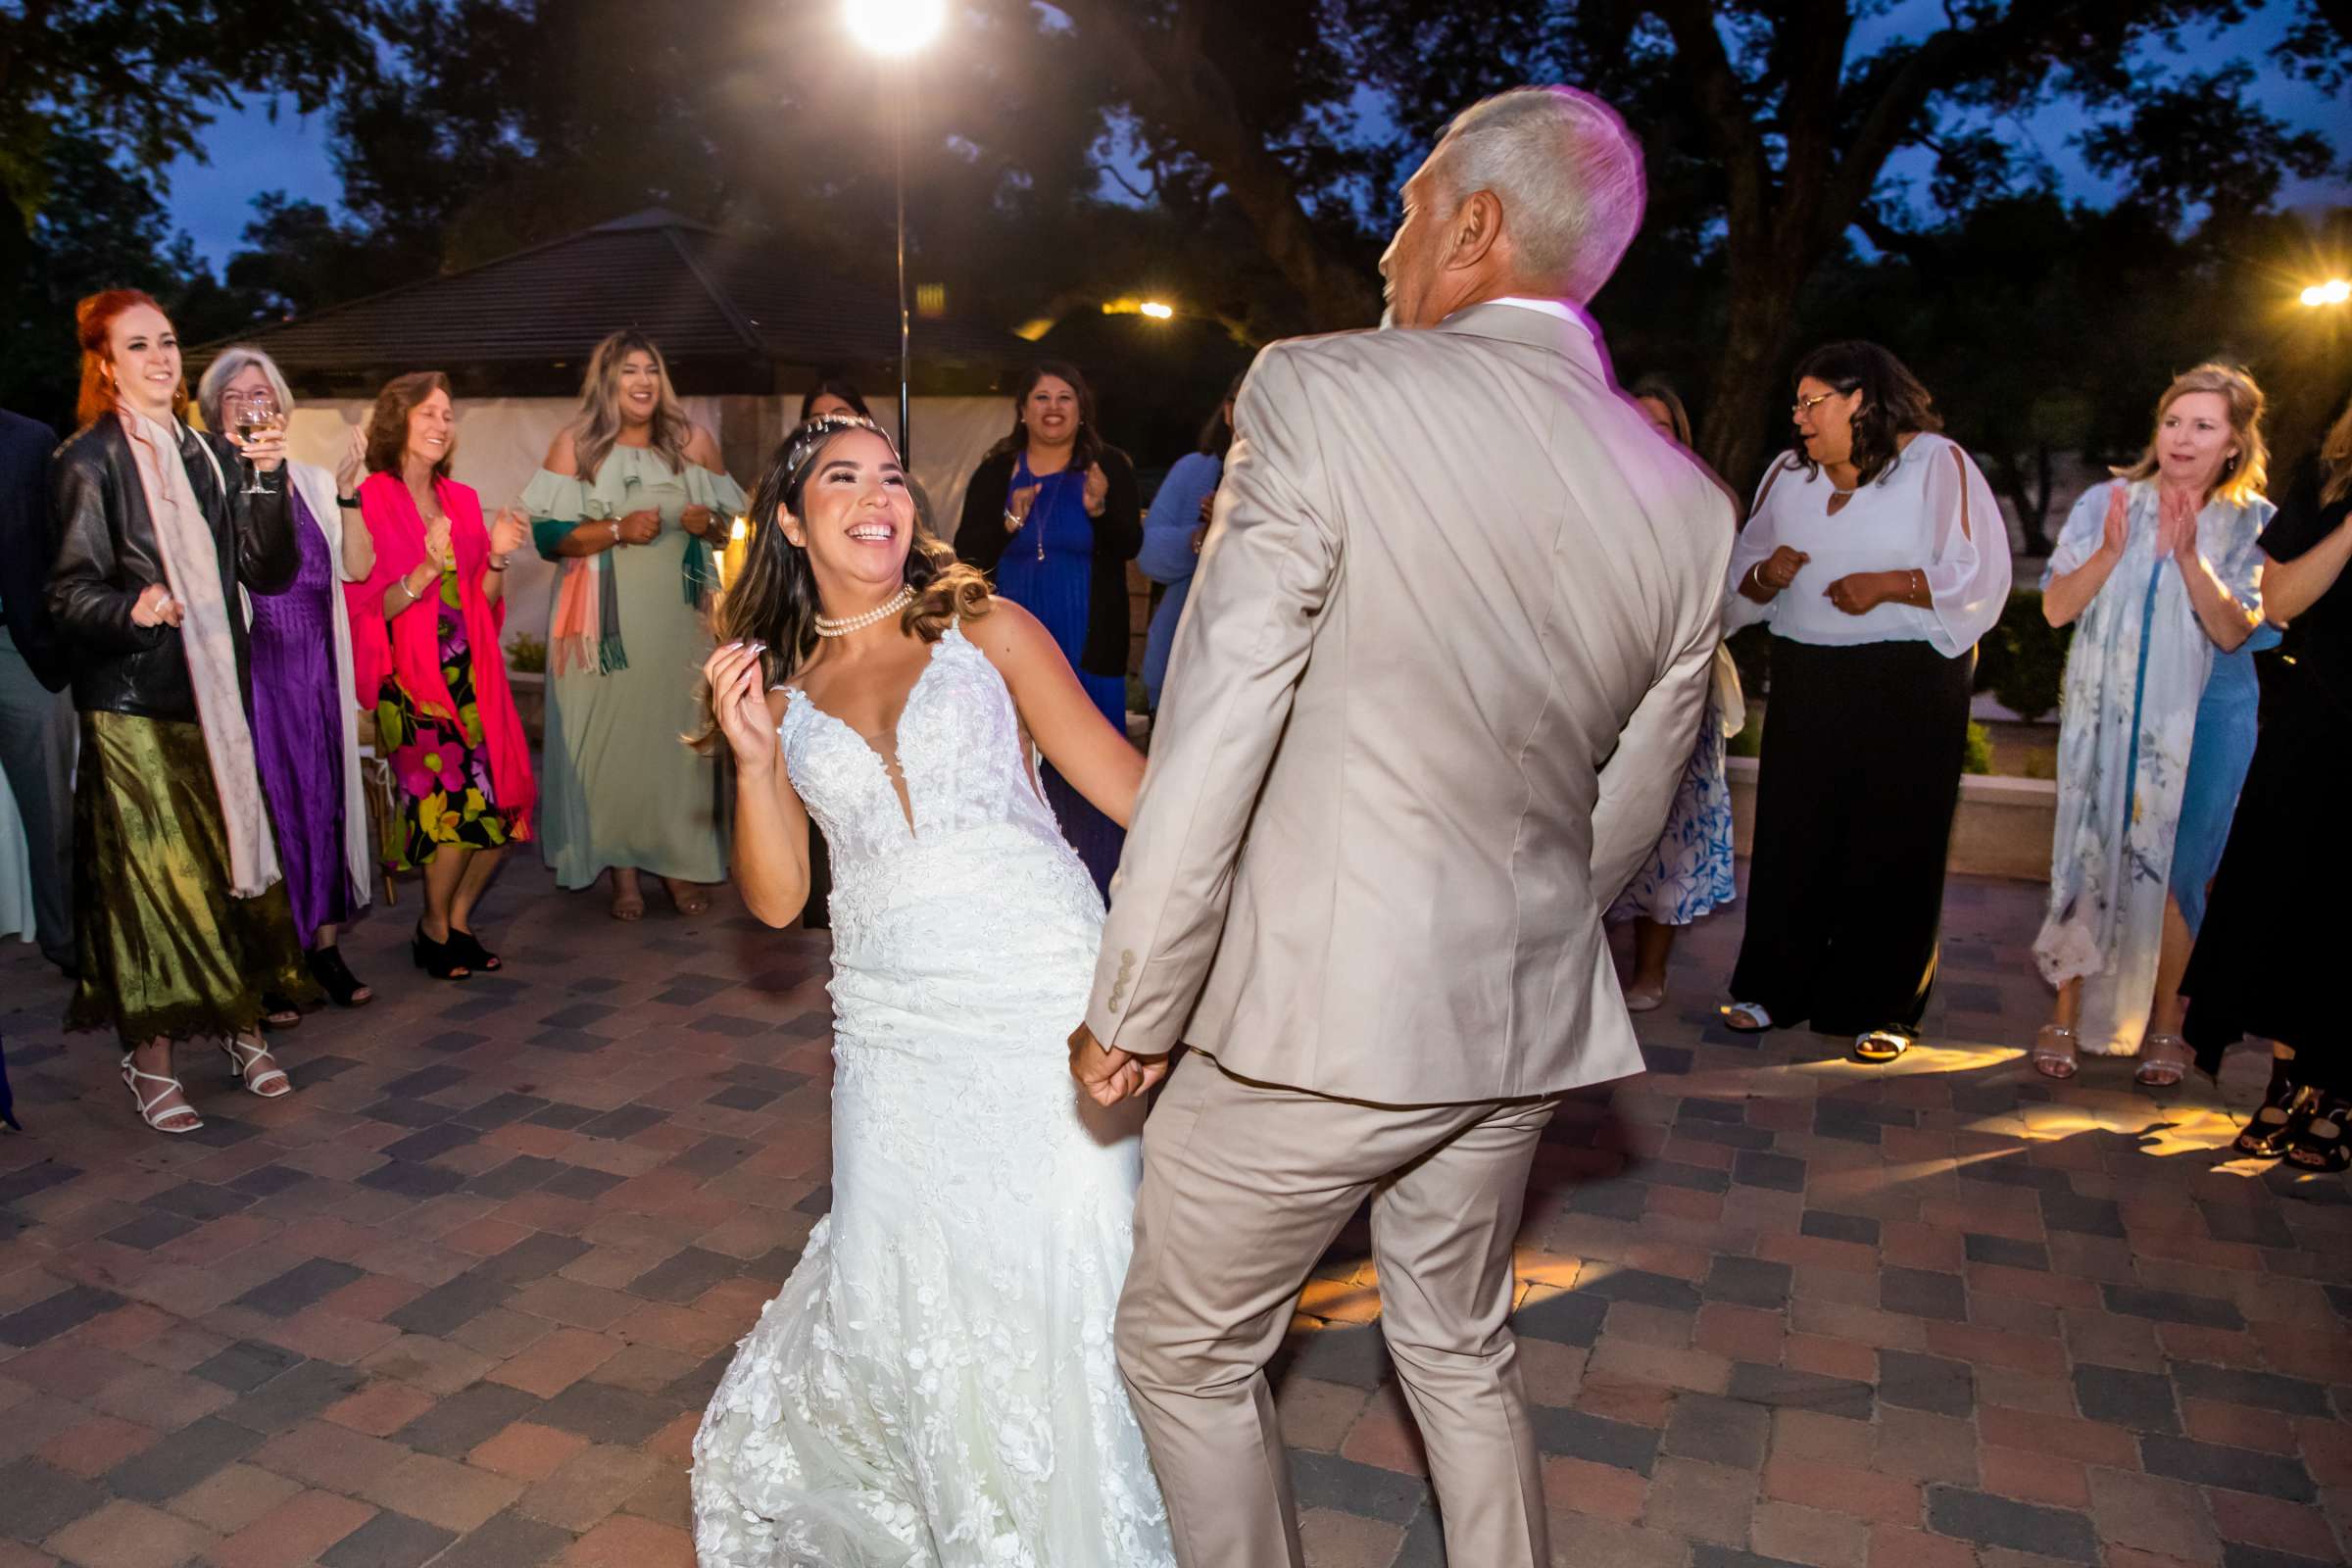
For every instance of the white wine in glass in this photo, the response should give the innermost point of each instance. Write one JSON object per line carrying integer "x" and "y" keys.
{"x": 256, "y": 414}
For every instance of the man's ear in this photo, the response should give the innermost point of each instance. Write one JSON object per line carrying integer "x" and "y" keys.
{"x": 1475, "y": 230}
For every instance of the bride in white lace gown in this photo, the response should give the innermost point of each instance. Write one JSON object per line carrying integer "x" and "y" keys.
{"x": 935, "y": 1385}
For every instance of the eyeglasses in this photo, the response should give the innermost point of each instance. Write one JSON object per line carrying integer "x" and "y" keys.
{"x": 1804, "y": 405}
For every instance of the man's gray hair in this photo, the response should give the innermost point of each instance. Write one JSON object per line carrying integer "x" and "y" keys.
{"x": 1568, "y": 173}
{"x": 226, "y": 368}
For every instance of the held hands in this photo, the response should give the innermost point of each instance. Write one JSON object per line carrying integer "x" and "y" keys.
{"x": 696, "y": 520}
{"x": 640, "y": 527}
{"x": 507, "y": 531}
{"x": 154, "y": 607}
{"x": 739, "y": 701}
{"x": 1018, "y": 505}
{"x": 1098, "y": 489}
{"x": 1108, "y": 1074}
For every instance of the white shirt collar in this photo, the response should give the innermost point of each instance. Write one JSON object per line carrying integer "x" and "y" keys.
{"x": 1559, "y": 308}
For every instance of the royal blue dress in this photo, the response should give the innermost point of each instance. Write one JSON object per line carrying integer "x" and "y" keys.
{"x": 2218, "y": 759}
{"x": 1047, "y": 569}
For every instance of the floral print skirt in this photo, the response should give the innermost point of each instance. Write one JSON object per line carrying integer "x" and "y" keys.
{"x": 439, "y": 764}
{"x": 1689, "y": 873}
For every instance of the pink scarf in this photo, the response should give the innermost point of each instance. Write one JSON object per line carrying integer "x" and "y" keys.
{"x": 409, "y": 646}
{"x": 192, "y": 555}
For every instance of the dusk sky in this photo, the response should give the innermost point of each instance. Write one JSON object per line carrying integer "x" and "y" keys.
{"x": 212, "y": 201}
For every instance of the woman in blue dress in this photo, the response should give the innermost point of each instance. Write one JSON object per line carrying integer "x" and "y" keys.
{"x": 1173, "y": 530}
{"x": 1052, "y": 514}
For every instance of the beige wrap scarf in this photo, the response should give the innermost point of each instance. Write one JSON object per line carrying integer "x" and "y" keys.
{"x": 192, "y": 570}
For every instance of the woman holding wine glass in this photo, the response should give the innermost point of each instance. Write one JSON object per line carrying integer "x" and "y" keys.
{"x": 425, "y": 627}
{"x": 305, "y": 725}
{"x": 182, "y": 923}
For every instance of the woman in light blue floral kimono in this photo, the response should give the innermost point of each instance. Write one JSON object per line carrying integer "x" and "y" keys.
{"x": 1688, "y": 875}
{"x": 2161, "y": 568}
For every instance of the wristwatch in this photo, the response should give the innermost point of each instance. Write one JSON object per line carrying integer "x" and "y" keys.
{"x": 348, "y": 503}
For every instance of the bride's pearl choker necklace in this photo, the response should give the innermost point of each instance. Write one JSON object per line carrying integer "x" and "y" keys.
{"x": 828, "y": 627}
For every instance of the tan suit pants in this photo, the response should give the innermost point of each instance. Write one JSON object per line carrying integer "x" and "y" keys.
{"x": 1245, "y": 1185}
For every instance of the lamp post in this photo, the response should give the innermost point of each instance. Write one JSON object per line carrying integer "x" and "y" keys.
{"x": 895, "y": 29}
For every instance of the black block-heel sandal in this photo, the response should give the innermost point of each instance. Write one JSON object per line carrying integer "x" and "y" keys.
{"x": 334, "y": 976}
{"x": 440, "y": 959}
{"x": 2320, "y": 1145}
{"x": 2285, "y": 1106}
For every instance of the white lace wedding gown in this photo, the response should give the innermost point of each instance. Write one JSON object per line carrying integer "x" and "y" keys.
{"x": 935, "y": 1386}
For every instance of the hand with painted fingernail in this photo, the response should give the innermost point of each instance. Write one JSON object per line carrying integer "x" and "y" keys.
{"x": 739, "y": 702}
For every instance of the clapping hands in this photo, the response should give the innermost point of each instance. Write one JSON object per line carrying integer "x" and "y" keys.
{"x": 2116, "y": 532}
{"x": 1018, "y": 505}
{"x": 351, "y": 468}
{"x": 507, "y": 531}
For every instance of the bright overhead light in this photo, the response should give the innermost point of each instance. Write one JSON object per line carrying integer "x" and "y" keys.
{"x": 2335, "y": 291}
{"x": 1156, "y": 311}
{"x": 896, "y": 26}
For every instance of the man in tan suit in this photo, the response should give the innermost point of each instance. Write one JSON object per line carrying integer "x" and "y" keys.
{"x": 1443, "y": 664}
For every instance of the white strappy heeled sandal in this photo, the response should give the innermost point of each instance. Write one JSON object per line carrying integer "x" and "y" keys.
{"x": 173, "y": 1119}
{"x": 242, "y": 1054}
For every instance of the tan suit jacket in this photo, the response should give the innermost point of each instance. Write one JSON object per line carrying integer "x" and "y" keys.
{"x": 1442, "y": 666}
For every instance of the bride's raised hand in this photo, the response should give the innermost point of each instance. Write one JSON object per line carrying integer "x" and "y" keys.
{"x": 739, "y": 701}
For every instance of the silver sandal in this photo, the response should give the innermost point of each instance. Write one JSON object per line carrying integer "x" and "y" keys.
{"x": 2053, "y": 1053}
{"x": 2163, "y": 1061}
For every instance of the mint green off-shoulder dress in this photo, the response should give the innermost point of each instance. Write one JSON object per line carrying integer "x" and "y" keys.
{"x": 621, "y": 787}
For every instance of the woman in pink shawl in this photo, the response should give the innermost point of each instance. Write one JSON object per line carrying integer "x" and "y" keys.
{"x": 424, "y": 634}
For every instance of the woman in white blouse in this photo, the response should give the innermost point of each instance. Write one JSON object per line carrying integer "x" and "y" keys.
{"x": 1877, "y": 555}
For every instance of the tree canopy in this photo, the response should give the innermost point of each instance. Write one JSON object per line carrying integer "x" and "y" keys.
{"x": 1815, "y": 172}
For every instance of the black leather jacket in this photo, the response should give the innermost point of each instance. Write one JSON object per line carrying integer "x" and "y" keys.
{"x": 107, "y": 553}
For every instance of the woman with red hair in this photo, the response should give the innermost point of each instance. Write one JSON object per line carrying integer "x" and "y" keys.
{"x": 183, "y": 920}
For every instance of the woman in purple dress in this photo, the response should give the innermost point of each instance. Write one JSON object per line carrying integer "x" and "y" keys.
{"x": 305, "y": 726}
{"x": 1053, "y": 515}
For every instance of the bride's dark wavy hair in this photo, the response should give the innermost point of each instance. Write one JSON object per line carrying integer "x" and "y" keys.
{"x": 774, "y": 600}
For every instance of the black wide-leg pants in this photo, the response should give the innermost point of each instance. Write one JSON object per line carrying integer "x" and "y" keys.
{"x": 1855, "y": 790}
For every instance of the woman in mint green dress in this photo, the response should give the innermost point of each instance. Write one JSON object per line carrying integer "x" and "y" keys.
{"x": 632, "y": 504}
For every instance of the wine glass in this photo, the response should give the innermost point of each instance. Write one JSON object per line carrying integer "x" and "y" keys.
{"x": 253, "y": 413}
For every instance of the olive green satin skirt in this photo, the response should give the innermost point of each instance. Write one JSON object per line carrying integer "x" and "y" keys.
{"x": 166, "y": 950}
